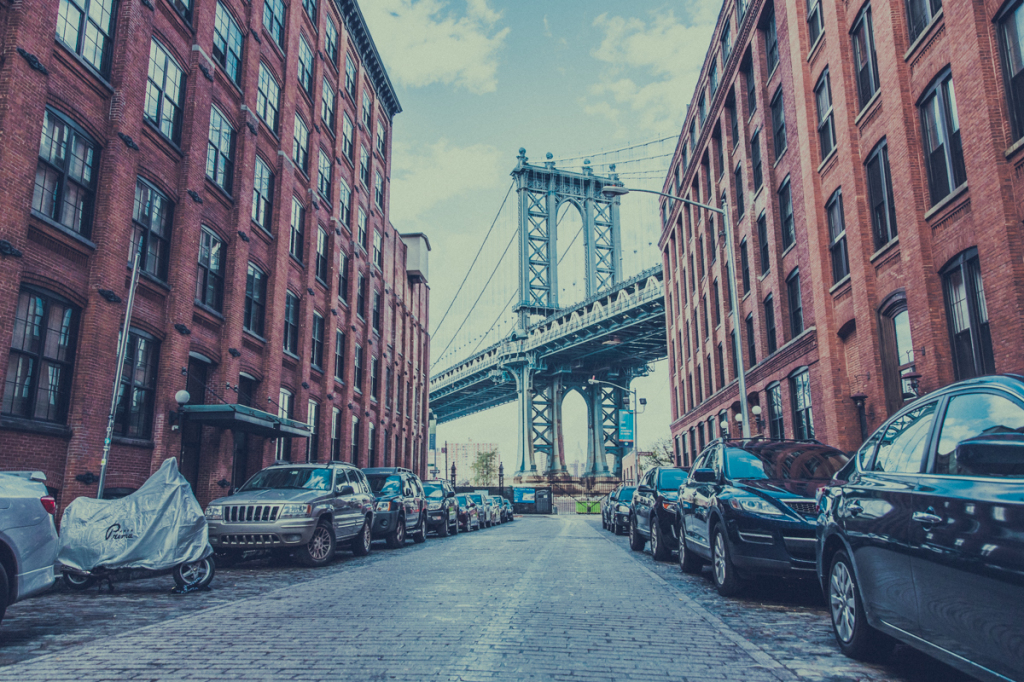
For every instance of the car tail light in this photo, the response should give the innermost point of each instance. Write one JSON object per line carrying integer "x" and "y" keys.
{"x": 49, "y": 504}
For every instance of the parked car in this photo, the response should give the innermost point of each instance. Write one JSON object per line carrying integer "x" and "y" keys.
{"x": 652, "y": 511}
{"x": 442, "y": 509}
{"x": 615, "y": 512}
{"x": 469, "y": 513}
{"x": 507, "y": 506}
{"x": 924, "y": 543}
{"x": 28, "y": 536}
{"x": 749, "y": 508}
{"x": 308, "y": 508}
{"x": 486, "y": 516}
{"x": 497, "y": 514}
{"x": 400, "y": 505}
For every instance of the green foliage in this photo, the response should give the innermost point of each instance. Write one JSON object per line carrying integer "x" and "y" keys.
{"x": 485, "y": 468}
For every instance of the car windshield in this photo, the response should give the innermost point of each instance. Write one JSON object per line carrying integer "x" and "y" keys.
{"x": 671, "y": 479}
{"x": 626, "y": 494}
{"x": 479, "y": 499}
{"x": 784, "y": 461}
{"x": 385, "y": 485}
{"x": 300, "y": 478}
{"x": 462, "y": 499}
{"x": 434, "y": 490}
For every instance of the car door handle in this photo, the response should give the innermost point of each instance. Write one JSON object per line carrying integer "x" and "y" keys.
{"x": 927, "y": 518}
{"x": 855, "y": 508}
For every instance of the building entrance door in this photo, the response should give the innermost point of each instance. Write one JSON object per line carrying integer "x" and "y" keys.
{"x": 192, "y": 432}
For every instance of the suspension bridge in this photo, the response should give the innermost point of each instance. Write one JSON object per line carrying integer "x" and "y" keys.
{"x": 583, "y": 314}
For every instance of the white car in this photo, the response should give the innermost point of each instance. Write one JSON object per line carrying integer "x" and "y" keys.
{"x": 28, "y": 532}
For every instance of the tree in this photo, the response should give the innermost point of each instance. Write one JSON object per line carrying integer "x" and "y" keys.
{"x": 485, "y": 468}
{"x": 661, "y": 455}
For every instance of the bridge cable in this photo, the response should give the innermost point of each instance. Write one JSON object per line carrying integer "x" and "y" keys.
{"x": 479, "y": 251}
{"x": 615, "y": 151}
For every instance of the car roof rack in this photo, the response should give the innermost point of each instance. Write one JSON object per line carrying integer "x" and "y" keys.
{"x": 766, "y": 439}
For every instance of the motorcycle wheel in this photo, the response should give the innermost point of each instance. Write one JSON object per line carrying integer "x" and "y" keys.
{"x": 195, "y": 574}
{"x": 77, "y": 581}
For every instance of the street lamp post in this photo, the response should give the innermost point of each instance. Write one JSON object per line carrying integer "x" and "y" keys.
{"x": 619, "y": 190}
{"x": 501, "y": 475}
{"x": 636, "y": 422}
{"x": 453, "y": 474}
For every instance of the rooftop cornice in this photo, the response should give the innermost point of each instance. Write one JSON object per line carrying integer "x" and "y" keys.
{"x": 368, "y": 54}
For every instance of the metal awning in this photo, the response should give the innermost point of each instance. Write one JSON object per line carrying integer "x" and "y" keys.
{"x": 245, "y": 419}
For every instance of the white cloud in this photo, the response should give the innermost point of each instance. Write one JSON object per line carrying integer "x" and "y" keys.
{"x": 426, "y": 42}
{"x": 654, "y": 66}
{"x": 428, "y": 174}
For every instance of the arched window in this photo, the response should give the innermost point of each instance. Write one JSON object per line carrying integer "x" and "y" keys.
{"x": 897, "y": 352}
{"x": 967, "y": 316}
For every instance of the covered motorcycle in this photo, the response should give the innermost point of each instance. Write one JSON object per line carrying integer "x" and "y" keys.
{"x": 158, "y": 528}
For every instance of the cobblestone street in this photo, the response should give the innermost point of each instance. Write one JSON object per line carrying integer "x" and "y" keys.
{"x": 544, "y": 598}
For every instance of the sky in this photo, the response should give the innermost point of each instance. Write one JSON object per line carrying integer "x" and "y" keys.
{"x": 477, "y": 80}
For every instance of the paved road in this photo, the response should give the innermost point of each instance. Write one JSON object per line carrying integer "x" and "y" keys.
{"x": 553, "y": 598}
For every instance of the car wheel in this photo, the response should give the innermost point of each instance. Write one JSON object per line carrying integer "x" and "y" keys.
{"x": 855, "y": 636}
{"x": 444, "y": 529}
{"x": 360, "y": 544}
{"x": 688, "y": 561}
{"x": 659, "y": 548}
{"x": 320, "y": 548}
{"x": 726, "y": 580}
{"x": 194, "y": 575}
{"x": 396, "y": 538}
{"x": 455, "y": 528}
{"x": 75, "y": 581}
{"x": 636, "y": 541}
{"x": 420, "y": 536}
{"x": 5, "y": 590}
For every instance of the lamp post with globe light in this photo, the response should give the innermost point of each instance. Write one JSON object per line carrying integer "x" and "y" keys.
{"x": 620, "y": 190}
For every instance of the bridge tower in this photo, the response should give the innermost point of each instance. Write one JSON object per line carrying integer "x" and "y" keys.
{"x": 541, "y": 192}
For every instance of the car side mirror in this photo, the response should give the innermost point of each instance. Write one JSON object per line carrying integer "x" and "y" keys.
{"x": 645, "y": 490}
{"x": 991, "y": 455}
{"x": 345, "y": 490}
{"x": 704, "y": 476}
{"x": 450, "y": 494}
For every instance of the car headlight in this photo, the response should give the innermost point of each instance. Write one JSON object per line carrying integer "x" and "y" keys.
{"x": 434, "y": 506}
{"x": 383, "y": 505}
{"x": 624, "y": 508}
{"x": 295, "y": 511}
{"x": 214, "y": 512}
{"x": 754, "y": 505}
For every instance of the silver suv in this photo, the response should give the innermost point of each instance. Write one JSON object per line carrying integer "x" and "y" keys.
{"x": 308, "y": 508}
{"x": 28, "y": 536}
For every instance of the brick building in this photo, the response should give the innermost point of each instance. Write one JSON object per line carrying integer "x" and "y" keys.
{"x": 243, "y": 149}
{"x": 872, "y": 157}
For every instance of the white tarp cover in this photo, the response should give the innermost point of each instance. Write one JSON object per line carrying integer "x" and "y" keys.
{"x": 157, "y": 527}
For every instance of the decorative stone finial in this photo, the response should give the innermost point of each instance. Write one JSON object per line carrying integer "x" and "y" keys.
{"x": 549, "y": 156}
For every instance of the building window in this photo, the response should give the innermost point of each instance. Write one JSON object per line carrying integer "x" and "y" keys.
{"x": 350, "y": 77}
{"x": 285, "y": 409}
{"x": 300, "y": 150}
{"x": 165, "y": 90}
{"x": 762, "y": 242}
{"x": 707, "y": 327}
{"x": 726, "y": 44}
{"x": 721, "y": 366}
{"x": 865, "y": 62}
{"x": 786, "y": 209}
{"x": 133, "y": 417}
{"x": 919, "y": 14}
{"x": 382, "y": 137}
{"x": 316, "y": 358}
{"x": 389, "y": 382}
{"x": 1011, "y": 33}
{"x": 719, "y": 155}
{"x": 151, "y": 229}
{"x": 331, "y": 39}
{"x": 367, "y": 116}
{"x": 755, "y": 156}
{"x": 378, "y": 249}
{"x": 297, "y": 234}
{"x": 220, "y": 151}
{"x": 357, "y": 369}
{"x": 255, "y": 300}
{"x": 769, "y": 323}
{"x": 803, "y": 419}
{"x": 778, "y": 124}
{"x": 745, "y": 266}
{"x": 940, "y": 126}
{"x": 268, "y": 96}
{"x": 376, "y": 311}
{"x": 837, "y": 236}
{"x": 346, "y": 137}
{"x": 339, "y": 355}
{"x": 313, "y": 441}
{"x": 65, "y": 174}
{"x": 321, "y": 254}
{"x": 897, "y": 353}
{"x": 363, "y": 234}
{"x": 371, "y": 445}
{"x": 738, "y": 183}
{"x": 364, "y": 166}
{"x": 305, "y": 67}
{"x": 86, "y": 28}
{"x": 310, "y": 7}
{"x": 360, "y": 298}
{"x": 748, "y": 78}
{"x": 273, "y": 20}
{"x": 751, "y": 340}
{"x": 814, "y": 20}
{"x": 717, "y": 304}
{"x": 771, "y": 37}
{"x": 343, "y": 276}
{"x": 775, "y": 424}
{"x": 263, "y": 194}
{"x": 41, "y": 362}
{"x": 227, "y": 43}
{"x": 702, "y": 108}
{"x": 796, "y": 307}
{"x": 967, "y": 316}
{"x": 354, "y": 454}
{"x": 336, "y": 422}
{"x": 344, "y": 204}
{"x": 323, "y": 176}
{"x": 327, "y": 105}
{"x": 733, "y": 122}
{"x": 375, "y": 378}
{"x": 883, "y": 209}
{"x": 378, "y": 191}
{"x": 291, "y": 323}
{"x": 210, "y": 280}
{"x": 826, "y": 124}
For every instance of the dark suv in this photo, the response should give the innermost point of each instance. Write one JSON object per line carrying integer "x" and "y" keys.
{"x": 442, "y": 507}
{"x": 923, "y": 541}
{"x": 400, "y": 506}
{"x": 652, "y": 511}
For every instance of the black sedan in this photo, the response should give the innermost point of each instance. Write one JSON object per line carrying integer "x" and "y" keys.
{"x": 924, "y": 543}
{"x": 615, "y": 510}
{"x": 749, "y": 508}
